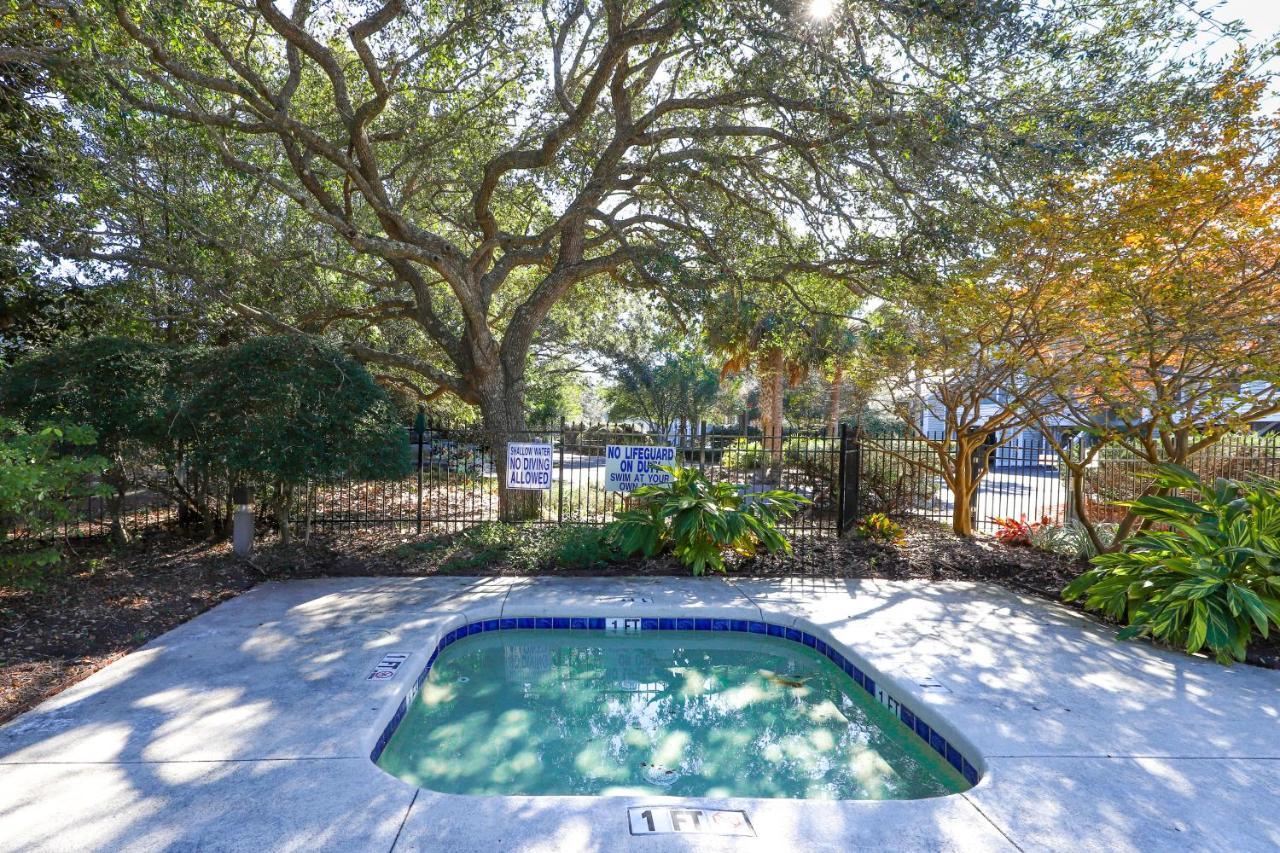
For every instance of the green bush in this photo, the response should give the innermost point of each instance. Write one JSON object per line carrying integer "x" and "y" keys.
{"x": 700, "y": 520}
{"x": 285, "y": 410}
{"x": 528, "y": 547}
{"x": 41, "y": 474}
{"x": 878, "y": 527}
{"x": 119, "y": 388}
{"x": 743, "y": 454}
{"x": 1206, "y": 574}
{"x": 816, "y": 458}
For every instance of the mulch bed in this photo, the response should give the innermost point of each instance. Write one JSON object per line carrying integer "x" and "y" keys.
{"x": 105, "y": 602}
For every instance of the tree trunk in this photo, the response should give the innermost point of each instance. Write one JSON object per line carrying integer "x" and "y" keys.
{"x": 284, "y": 495}
{"x": 502, "y": 410}
{"x": 833, "y": 403}
{"x": 771, "y": 377}
{"x": 115, "y": 508}
{"x": 966, "y": 481}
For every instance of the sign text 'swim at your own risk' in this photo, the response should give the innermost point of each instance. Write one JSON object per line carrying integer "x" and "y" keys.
{"x": 629, "y": 466}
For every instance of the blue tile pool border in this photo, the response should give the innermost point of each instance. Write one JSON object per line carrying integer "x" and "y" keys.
{"x": 905, "y": 713}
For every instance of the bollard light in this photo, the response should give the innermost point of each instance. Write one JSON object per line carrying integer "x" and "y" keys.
{"x": 242, "y": 522}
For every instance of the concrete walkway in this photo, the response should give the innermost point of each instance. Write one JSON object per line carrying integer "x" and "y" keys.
{"x": 249, "y": 728}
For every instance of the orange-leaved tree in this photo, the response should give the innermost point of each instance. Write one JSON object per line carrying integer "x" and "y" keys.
{"x": 1167, "y": 261}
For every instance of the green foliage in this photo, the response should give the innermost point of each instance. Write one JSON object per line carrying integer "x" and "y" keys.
{"x": 292, "y": 408}
{"x": 273, "y": 411}
{"x": 1071, "y": 539}
{"x": 878, "y": 527}
{"x": 40, "y": 475}
{"x": 817, "y": 458}
{"x": 743, "y": 454}
{"x": 528, "y": 548}
{"x": 116, "y": 386}
{"x": 1206, "y": 574}
{"x": 700, "y": 520}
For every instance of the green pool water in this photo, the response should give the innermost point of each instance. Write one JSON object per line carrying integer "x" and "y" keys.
{"x": 674, "y": 713}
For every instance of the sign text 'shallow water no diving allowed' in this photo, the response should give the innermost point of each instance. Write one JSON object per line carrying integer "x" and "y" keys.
{"x": 630, "y": 466}
{"x": 528, "y": 466}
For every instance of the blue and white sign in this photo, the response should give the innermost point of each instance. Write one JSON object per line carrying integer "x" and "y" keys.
{"x": 529, "y": 466}
{"x": 627, "y": 467}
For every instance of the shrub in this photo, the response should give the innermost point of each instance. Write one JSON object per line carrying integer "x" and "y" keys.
{"x": 1209, "y": 575}
{"x": 117, "y": 387}
{"x": 1071, "y": 539}
{"x": 817, "y": 458}
{"x": 41, "y": 473}
{"x": 529, "y": 547}
{"x": 289, "y": 409}
{"x": 743, "y": 454}
{"x": 878, "y": 527}
{"x": 700, "y": 520}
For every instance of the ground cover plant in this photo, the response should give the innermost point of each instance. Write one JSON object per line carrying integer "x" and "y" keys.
{"x": 1205, "y": 570}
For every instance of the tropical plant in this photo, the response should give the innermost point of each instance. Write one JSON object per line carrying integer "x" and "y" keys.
{"x": 699, "y": 520}
{"x": 878, "y": 527}
{"x": 42, "y": 475}
{"x": 1205, "y": 571}
{"x": 1019, "y": 531}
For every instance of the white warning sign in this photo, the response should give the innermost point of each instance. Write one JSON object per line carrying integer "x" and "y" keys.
{"x": 629, "y": 466}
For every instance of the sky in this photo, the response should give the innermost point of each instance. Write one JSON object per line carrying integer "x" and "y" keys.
{"x": 1261, "y": 16}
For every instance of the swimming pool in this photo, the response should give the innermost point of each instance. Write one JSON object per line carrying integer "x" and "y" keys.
{"x": 678, "y": 707}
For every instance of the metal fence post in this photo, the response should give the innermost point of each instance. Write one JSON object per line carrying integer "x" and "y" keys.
{"x": 702, "y": 448}
{"x": 560, "y": 478}
{"x": 420, "y": 427}
{"x": 855, "y": 490}
{"x": 842, "y": 498}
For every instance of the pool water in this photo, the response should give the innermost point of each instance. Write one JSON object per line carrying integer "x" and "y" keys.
{"x": 676, "y": 713}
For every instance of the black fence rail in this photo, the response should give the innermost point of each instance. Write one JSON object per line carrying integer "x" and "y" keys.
{"x": 141, "y": 509}
{"x": 456, "y": 479}
{"x": 1116, "y": 475}
{"x": 459, "y": 474}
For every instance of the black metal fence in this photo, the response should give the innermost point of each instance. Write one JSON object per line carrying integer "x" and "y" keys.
{"x": 901, "y": 476}
{"x": 455, "y": 482}
{"x": 458, "y": 477}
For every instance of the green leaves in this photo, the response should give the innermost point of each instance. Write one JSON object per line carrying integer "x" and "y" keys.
{"x": 1203, "y": 575}
{"x": 700, "y": 520}
{"x": 41, "y": 477}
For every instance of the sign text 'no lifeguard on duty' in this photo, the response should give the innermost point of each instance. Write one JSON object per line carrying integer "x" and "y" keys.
{"x": 629, "y": 466}
{"x": 528, "y": 466}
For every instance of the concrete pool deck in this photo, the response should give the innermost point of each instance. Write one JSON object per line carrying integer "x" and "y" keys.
{"x": 249, "y": 728}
